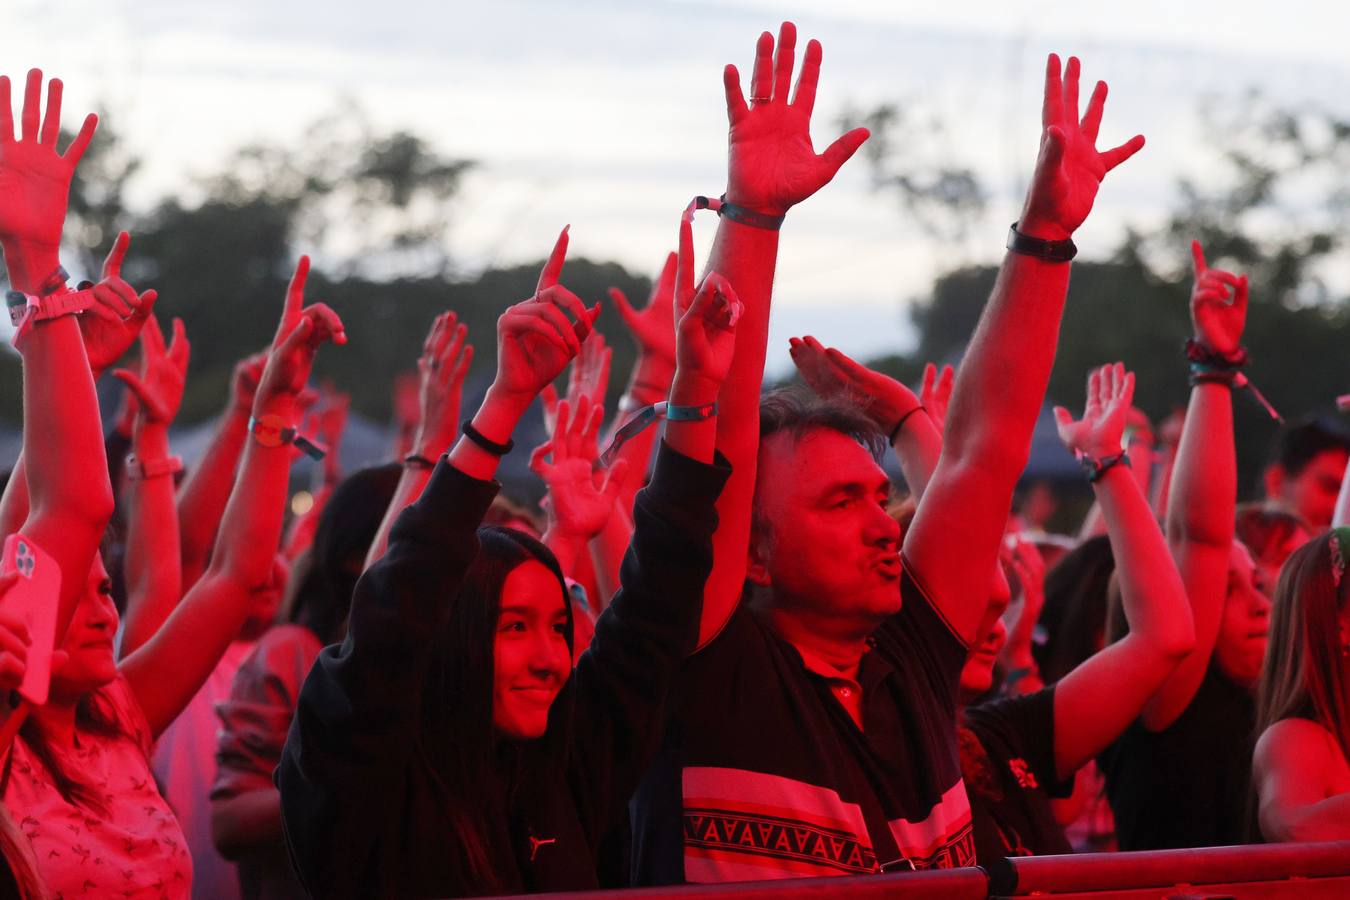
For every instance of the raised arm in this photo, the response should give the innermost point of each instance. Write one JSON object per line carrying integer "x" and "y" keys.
{"x": 153, "y": 573}
{"x": 1203, "y": 491}
{"x": 441, "y": 370}
{"x": 771, "y": 167}
{"x": 581, "y": 499}
{"x": 67, "y": 472}
{"x": 953, "y": 543}
{"x": 1097, "y": 701}
{"x": 206, "y": 489}
{"x": 1293, "y": 771}
{"x": 915, "y": 436}
{"x": 169, "y": 668}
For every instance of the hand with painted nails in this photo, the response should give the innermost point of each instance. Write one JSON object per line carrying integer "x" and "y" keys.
{"x": 771, "y": 163}
{"x": 1218, "y": 306}
{"x": 158, "y": 383}
{"x": 935, "y": 393}
{"x": 832, "y": 375}
{"x": 441, "y": 369}
{"x": 705, "y": 323}
{"x": 1069, "y": 168}
{"x": 581, "y": 497}
{"x": 535, "y": 338}
{"x": 34, "y": 176}
{"x": 300, "y": 332}
{"x": 1098, "y": 434}
{"x": 112, "y": 324}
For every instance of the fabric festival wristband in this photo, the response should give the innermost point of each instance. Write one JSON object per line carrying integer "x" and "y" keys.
{"x": 142, "y": 469}
{"x": 1096, "y": 468}
{"x": 737, "y": 214}
{"x": 646, "y": 416}
{"x": 1229, "y": 377}
{"x": 272, "y": 431}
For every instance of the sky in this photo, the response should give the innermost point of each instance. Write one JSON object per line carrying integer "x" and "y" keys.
{"x": 610, "y": 116}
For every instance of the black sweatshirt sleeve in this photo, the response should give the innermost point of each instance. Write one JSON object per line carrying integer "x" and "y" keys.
{"x": 641, "y": 640}
{"x": 344, "y": 767}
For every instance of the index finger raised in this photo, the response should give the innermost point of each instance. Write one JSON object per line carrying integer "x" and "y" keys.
{"x": 553, "y": 267}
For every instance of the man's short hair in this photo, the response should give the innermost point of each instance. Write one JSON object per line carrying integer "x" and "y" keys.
{"x": 1297, "y": 445}
{"x": 800, "y": 412}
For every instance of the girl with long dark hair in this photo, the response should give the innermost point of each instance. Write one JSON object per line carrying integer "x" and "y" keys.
{"x": 448, "y": 747}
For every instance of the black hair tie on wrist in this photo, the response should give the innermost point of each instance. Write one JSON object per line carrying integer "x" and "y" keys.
{"x": 490, "y": 446}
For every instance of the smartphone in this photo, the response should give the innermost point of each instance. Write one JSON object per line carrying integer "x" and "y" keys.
{"x": 36, "y": 593}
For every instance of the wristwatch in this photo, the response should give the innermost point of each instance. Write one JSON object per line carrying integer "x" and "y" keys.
{"x": 272, "y": 431}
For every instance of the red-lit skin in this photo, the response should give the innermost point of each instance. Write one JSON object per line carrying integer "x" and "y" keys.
{"x": 153, "y": 560}
{"x": 580, "y": 499}
{"x": 832, "y": 559}
{"x": 65, "y": 468}
{"x": 90, "y": 663}
{"x": 531, "y": 658}
{"x": 207, "y": 484}
{"x": 1311, "y": 494}
{"x": 1203, "y": 495}
{"x": 771, "y": 166}
{"x": 1269, "y": 564}
{"x": 1244, "y": 626}
{"x": 441, "y": 370}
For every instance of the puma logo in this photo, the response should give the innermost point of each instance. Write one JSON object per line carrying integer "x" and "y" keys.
{"x": 536, "y": 843}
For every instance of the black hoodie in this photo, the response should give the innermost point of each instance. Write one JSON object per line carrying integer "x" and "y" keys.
{"x": 362, "y": 812}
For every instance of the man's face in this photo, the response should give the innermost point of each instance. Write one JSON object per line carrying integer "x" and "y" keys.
{"x": 1312, "y": 492}
{"x": 1245, "y": 627}
{"x": 832, "y": 549}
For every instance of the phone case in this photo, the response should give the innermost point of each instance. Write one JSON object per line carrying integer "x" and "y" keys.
{"x": 36, "y": 592}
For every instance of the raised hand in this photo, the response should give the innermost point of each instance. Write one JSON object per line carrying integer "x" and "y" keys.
{"x": 705, "y": 321}
{"x": 302, "y": 330}
{"x": 14, "y": 640}
{"x": 581, "y": 498}
{"x": 831, "y": 374}
{"x": 441, "y": 369}
{"x": 112, "y": 324}
{"x": 244, "y": 380}
{"x": 935, "y": 393}
{"x": 34, "y": 177}
{"x": 1098, "y": 434}
{"x": 535, "y": 338}
{"x": 588, "y": 376}
{"x": 1069, "y": 168}
{"x": 158, "y": 386}
{"x": 653, "y": 326}
{"x": 771, "y": 164}
{"x": 1217, "y": 316}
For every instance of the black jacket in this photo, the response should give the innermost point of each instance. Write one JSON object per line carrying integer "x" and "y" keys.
{"x": 359, "y": 801}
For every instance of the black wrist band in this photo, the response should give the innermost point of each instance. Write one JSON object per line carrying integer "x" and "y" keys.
{"x": 895, "y": 432}
{"x": 492, "y": 447}
{"x": 1050, "y": 251}
{"x": 1197, "y": 352}
{"x": 417, "y": 461}
{"x": 740, "y": 214}
{"x": 1096, "y": 468}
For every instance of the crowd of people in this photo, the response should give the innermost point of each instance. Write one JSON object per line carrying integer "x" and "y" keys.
{"x": 727, "y": 648}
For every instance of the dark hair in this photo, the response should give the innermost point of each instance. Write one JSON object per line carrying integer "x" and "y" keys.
{"x": 1073, "y": 618}
{"x": 1265, "y": 529}
{"x": 93, "y": 715}
{"x": 798, "y": 412}
{"x": 1297, "y": 445}
{"x": 347, "y": 525}
{"x": 470, "y": 767}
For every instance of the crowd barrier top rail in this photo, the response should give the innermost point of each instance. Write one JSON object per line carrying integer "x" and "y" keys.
{"x": 945, "y": 884}
{"x": 1081, "y": 874}
{"x": 1084, "y": 872}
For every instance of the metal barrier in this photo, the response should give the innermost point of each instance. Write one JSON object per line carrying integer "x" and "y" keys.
{"x": 1258, "y": 872}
